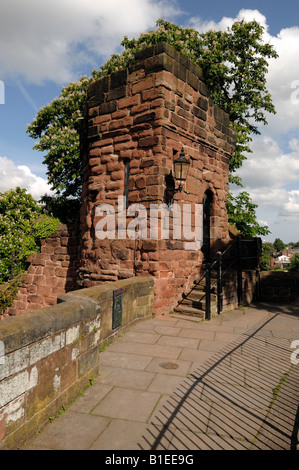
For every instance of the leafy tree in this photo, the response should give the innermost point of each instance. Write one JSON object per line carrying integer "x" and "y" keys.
{"x": 67, "y": 210}
{"x": 242, "y": 213}
{"x": 22, "y": 226}
{"x": 267, "y": 252}
{"x": 294, "y": 266}
{"x": 234, "y": 65}
{"x": 278, "y": 244}
{"x": 293, "y": 244}
{"x": 57, "y": 128}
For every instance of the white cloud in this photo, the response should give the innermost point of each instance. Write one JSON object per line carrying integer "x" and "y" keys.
{"x": 283, "y": 81}
{"x": 271, "y": 174}
{"x": 283, "y": 75}
{"x": 49, "y": 39}
{"x": 271, "y": 177}
{"x": 12, "y": 176}
{"x": 226, "y": 22}
{"x": 291, "y": 207}
{"x": 263, "y": 223}
{"x": 268, "y": 166}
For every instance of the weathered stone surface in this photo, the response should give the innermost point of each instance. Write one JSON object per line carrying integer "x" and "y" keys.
{"x": 52, "y": 353}
{"x": 58, "y": 259}
{"x": 143, "y": 117}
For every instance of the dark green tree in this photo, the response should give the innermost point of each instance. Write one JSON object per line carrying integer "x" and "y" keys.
{"x": 294, "y": 266}
{"x": 242, "y": 214}
{"x": 278, "y": 244}
{"x": 267, "y": 253}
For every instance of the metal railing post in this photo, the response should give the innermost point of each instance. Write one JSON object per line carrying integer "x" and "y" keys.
{"x": 219, "y": 283}
{"x": 239, "y": 271}
{"x": 208, "y": 292}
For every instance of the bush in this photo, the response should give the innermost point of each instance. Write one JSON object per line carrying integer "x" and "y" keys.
{"x": 22, "y": 226}
{"x": 9, "y": 292}
{"x": 294, "y": 266}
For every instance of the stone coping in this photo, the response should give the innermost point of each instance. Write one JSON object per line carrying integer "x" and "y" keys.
{"x": 74, "y": 307}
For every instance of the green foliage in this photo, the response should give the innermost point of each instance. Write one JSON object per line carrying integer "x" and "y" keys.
{"x": 242, "y": 213}
{"x": 43, "y": 228}
{"x": 56, "y": 126}
{"x": 267, "y": 252}
{"x": 278, "y": 244}
{"x": 294, "y": 266}
{"x": 22, "y": 226}
{"x": 9, "y": 292}
{"x": 234, "y": 65}
{"x": 67, "y": 210}
{"x": 277, "y": 389}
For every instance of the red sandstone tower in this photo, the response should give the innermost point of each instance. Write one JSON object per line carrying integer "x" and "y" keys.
{"x": 137, "y": 122}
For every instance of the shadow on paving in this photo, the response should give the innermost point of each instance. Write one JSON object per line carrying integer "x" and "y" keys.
{"x": 244, "y": 398}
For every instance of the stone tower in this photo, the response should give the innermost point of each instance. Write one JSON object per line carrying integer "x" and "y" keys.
{"x": 137, "y": 121}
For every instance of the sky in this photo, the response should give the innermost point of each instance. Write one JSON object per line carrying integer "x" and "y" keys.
{"x": 45, "y": 44}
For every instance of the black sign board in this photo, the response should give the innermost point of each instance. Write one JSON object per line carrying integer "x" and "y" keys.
{"x": 117, "y": 308}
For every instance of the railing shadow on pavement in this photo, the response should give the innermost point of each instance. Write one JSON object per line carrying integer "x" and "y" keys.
{"x": 229, "y": 402}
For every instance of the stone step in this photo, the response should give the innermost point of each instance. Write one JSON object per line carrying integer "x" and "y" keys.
{"x": 198, "y": 293}
{"x": 196, "y": 304}
{"x": 185, "y": 310}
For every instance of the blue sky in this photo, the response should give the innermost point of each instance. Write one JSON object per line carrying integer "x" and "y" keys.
{"x": 45, "y": 44}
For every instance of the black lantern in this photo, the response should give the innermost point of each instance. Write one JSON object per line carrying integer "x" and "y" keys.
{"x": 181, "y": 167}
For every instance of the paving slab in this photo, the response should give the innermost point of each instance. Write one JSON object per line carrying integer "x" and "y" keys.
{"x": 160, "y": 350}
{"x": 127, "y": 361}
{"x": 197, "y": 333}
{"x": 71, "y": 431}
{"x": 176, "y": 383}
{"x": 165, "y": 383}
{"x": 194, "y": 355}
{"x": 184, "y": 439}
{"x": 91, "y": 398}
{"x": 171, "y": 367}
{"x": 136, "y": 405}
{"x": 211, "y": 346}
{"x": 127, "y": 435}
{"x": 178, "y": 341}
{"x": 167, "y": 330}
{"x": 140, "y": 337}
{"x": 126, "y": 378}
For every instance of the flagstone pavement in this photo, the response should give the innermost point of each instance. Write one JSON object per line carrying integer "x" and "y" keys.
{"x": 177, "y": 383}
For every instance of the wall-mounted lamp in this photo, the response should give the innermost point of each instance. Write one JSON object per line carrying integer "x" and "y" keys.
{"x": 181, "y": 167}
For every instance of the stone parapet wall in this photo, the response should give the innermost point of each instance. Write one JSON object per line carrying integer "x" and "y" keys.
{"x": 52, "y": 272}
{"x": 49, "y": 355}
{"x": 279, "y": 286}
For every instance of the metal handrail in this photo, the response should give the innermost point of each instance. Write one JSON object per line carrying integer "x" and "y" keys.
{"x": 219, "y": 280}
{"x": 208, "y": 270}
